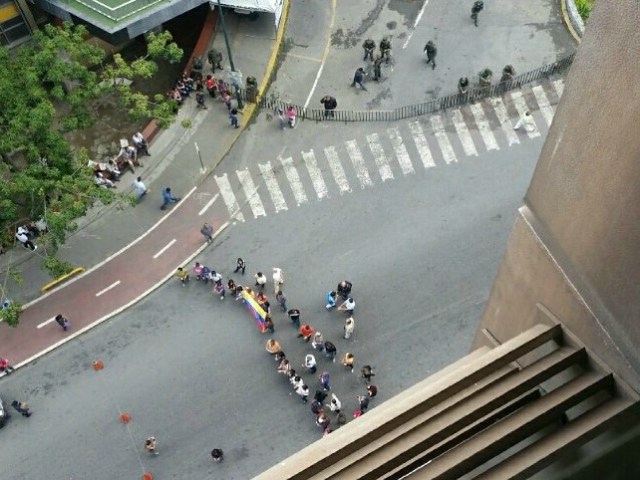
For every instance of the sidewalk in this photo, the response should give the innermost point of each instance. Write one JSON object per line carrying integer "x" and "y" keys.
{"x": 124, "y": 249}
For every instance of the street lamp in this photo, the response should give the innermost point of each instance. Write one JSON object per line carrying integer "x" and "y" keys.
{"x": 234, "y": 74}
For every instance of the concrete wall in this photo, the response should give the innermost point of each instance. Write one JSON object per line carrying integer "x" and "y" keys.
{"x": 575, "y": 247}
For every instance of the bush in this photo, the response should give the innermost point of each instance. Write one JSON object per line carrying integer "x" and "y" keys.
{"x": 57, "y": 267}
{"x": 584, "y": 8}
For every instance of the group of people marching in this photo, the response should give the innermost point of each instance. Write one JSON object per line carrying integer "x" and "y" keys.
{"x": 328, "y": 411}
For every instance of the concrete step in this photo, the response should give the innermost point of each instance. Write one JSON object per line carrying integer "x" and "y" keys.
{"x": 519, "y": 426}
{"x": 455, "y": 416}
{"x": 569, "y": 437}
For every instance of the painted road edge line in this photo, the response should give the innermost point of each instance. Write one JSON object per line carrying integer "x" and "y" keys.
{"x": 164, "y": 249}
{"x": 209, "y": 203}
{"x": 105, "y": 290}
{"x": 46, "y": 322}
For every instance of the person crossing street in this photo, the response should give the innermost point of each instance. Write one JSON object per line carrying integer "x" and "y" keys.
{"x": 431, "y": 51}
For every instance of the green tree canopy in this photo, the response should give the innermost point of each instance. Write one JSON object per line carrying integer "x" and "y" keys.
{"x": 50, "y": 86}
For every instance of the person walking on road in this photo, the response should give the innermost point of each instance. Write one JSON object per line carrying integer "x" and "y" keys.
{"x": 431, "y": 51}
{"x": 366, "y": 372}
{"x": 168, "y": 197}
{"x": 303, "y": 391}
{"x": 261, "y": 280}
{"x": 330, "y": 298}
{"x": 22, "y": 408}
{"x": 282, "y": 300}
{"x": 348, "y": 360}
{"x": 150, "y": 445}
{"x": 377, "y": 68}
{"x": 233, "y": 117}
{"x": 349, "y": 327}
{"x": 140, "y": 188}
{"x": 358, "y": 78}
{"x": 282, "y": 122}
{"x": 330, "y": 104}
{"x": 62, "y": 321}
{"x": 294, "y": 315}
{"x": 240, "y": 265}
{"x": 325, "y": 378}
{"x": 310, "y": 363}
{"x": 207, "y": 232}
{"x": 385, "y": 49}
{"x": 306, "y": 332}
{"x": 372, "y": 390}
{"x": 369, "y": 46}
{"x": 348, "y": 306}
{"x": 334, "y": 405}
{"x": 318, "y": 342}
{"x": 330, "y": 351}
{"x": 278, "y": 279}
{"x": 475, "y": 10}
{"x": 217, "y": 455}
{"x": 5, "y": 366}
{"x": 23, "y": 238}
{"x": 525, "y": 121}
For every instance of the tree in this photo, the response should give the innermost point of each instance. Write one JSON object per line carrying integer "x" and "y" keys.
{"x": 51, "y": 86}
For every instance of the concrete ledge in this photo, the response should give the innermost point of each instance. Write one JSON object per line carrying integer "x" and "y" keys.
{"x": 572, "y": 19}
{"x": 61, "y": 279}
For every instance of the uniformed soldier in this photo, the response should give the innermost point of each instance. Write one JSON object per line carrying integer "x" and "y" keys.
{"x": 385, "y": 48}
{"x": 431, "y": 51}
{"x": 215, "y": 59}
{"x": 508, "y": 73}
{"x": 485, "y": 77}
{"x": 377, "y": 68}
{"x": 369, "y": 46}
{"x": 475, "y": 10}
{"x": 463, "y": 85}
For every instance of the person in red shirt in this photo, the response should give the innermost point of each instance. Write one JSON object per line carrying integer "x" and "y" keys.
{"x": 306, "y": 332}
{"x": 5, "y": 367}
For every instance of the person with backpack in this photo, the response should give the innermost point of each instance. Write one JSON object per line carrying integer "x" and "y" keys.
{"x": 475, "y": 10}
{"x": 62, "y": 321}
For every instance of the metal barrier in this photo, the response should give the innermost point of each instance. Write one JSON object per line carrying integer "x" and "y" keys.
{"x": 408, "y": 111}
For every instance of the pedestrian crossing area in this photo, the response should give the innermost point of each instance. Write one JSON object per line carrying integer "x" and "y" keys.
{"x": 402, "y": 149}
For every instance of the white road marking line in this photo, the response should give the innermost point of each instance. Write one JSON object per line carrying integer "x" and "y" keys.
{"x": 315, "y": 174}
{"x": 415, "y": 23}
{"x": 272, "y": 186}
{"x": 251, "y": 192}
{"x": 559, "y": 86}
{"x": 463, "y": 133}
{"x": 380, "y": 158}
{"x": 505, "y": 122}
{"x": 421, "y": 144}
{"x": 337, "y": 170}
{"x": 543, "y": 103}
{"x": 358, "y": 163}
{"x": 443, "y": 141}
{"x": 483, "y": 127}
{"x": 325, "y": 54}
{"x": 46, "y": 322}
{"x": 113, "y": 285}
{"x": 165, "y": 248}
{"x": 522, "y": 107}
{"x": 294, "y": 180}
{"x": 229, "y": 198}
{"x": 401, "y": 151}
{"x": 209, "y": 203}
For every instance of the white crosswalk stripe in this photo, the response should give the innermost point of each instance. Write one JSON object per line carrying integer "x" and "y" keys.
{"x": 521, "y": 106}
{"x": 401, "y": 151}
{"x": 315, "y": 174}
{"x": 463, "y": 133}
{"x": 384, "y": 169}
{"x": 484, "y": 127}
{"x": 229, "y": 198}
{"x": 443, "y": 141}
{"x": 251, "y": 192}
{"x": 505, "y": 122}
{"x": 543, "y": 103}
{"x": 383, "y": 146}
{"x": 271, "y": 182}
{"x": 336, "y": 169}
{"x": 294, "y": 180}
{"x": 358, "y": 163}
{"x": 421, "y": 144}
{"x": 558, "y": 85}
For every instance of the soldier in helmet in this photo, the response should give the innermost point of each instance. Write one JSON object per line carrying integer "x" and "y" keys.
{"x": 463, "y": 85}
{"x": 385, "y": 48}
{"x": 508, "y": 72}
{"x": 377, "y": 68}
{"x": 369, "y": 46}
{"x": 485, "y": 77}
{"x": 475, "y": 10}
{"x": 431, "y": 51}
{"x": 215, "y": 59}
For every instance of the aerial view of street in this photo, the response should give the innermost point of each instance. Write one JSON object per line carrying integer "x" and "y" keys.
{"x": 415, "y": 213}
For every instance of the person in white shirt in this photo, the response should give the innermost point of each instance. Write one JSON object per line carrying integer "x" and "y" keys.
{"x": 335, "y": 405}
{"x": 261, "y": 280}
{"x": 141, "y": 143}
{"x": 348, "y": 306}
{"x": 278, "y": 279}
{"x": 310, "y": 363}
{"x": 303, "y": 391}
{"x": 349, "y": 327}
{"x": 526, "y": 121}
{"x": 21, "y": 236}
{"x": 140, "y": 187}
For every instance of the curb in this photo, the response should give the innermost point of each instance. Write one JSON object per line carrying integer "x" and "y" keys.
{"x": 572, "y": 19}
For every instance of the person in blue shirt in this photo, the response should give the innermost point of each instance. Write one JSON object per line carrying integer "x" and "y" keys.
{"x": 330, "y": 298}
{"x": 167, "y": 198}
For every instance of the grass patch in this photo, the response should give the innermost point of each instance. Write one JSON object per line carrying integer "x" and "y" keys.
{"x": 584, "y": 8}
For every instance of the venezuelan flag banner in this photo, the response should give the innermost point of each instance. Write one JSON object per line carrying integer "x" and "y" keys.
{"x": 254, "y": 308}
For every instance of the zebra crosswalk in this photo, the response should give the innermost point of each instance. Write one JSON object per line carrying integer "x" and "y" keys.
{"x": 383, "y": 156}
